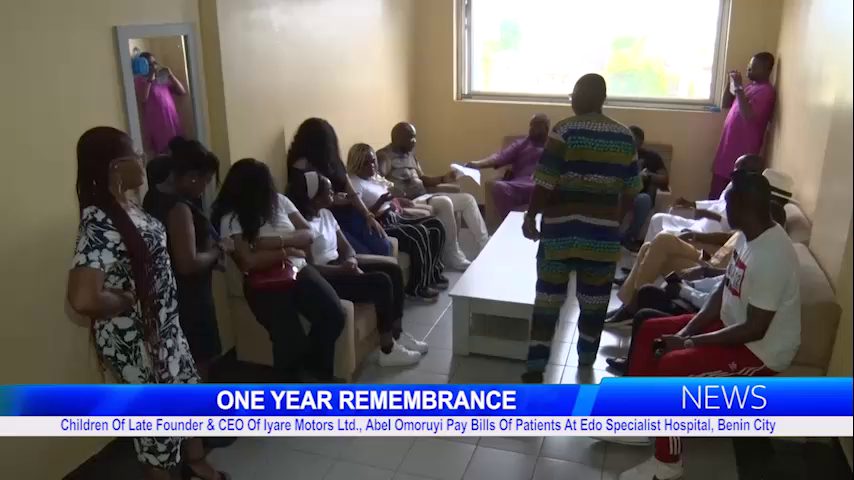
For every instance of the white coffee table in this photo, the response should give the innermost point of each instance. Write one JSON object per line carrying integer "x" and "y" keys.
{"x": 494, "y": 299}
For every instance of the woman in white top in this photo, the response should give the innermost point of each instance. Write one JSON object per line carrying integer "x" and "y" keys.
{"x": 422, "y": 236}
{"x": 267, "y": 229}
{"x": 380, "y": 283}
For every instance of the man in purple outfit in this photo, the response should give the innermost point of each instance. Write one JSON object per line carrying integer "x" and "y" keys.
{"x": 744, "y": 128}
{"x": 515, "y": 189}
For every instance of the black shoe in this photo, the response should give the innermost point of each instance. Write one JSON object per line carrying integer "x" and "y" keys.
{"x": 442, "y": 283}
{"x": 617, "y": 319}
{"x": 619, "y": 365}
{"x": 532, "y": 377}
{"x": 425, "y": 295}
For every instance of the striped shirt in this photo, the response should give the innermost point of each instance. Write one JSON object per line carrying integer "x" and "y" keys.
{"x": 589, "y": 161}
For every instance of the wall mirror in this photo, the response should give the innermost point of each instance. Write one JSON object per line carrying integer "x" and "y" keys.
{"x": 161, "y": 76}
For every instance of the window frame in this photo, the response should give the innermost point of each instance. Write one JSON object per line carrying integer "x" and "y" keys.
{"x": 464, "y": 73}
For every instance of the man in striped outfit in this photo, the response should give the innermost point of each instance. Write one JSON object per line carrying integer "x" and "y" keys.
{"x": 586, "y": 180}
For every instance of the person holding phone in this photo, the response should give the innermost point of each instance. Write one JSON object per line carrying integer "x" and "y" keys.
{"x": 154, "y": 91}
{"x": 422, "y": 236}
{"x": 751, "y": 107}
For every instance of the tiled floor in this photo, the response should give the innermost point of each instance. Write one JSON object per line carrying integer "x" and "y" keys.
{"x": 488, "y": 458}
{"x": 452, "y": 459}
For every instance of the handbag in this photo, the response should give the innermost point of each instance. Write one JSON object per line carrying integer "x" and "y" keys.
{"x": 278, "y": 279}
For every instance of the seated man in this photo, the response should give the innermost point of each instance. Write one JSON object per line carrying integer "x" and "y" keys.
{"x": 680, "y": 295}
{"x": 668, "y": 252}
{"x": 750, "y": 326}
{"x": 709, "y": 215}
{"x": 398, "y": 164}
{"x": 673, "y": 253}
{"x": 654, "y": 177}
{"x": 514, "y": 190}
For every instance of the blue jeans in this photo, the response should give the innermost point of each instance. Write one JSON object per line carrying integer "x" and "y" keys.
{"x": 360, "y": 236}
{"x": 642, "y": 210}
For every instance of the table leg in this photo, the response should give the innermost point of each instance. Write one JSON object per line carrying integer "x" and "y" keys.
{"x": 462, "y": 325}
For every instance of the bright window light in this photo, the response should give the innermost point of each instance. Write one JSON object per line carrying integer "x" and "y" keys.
{"x": 649, "y": 51}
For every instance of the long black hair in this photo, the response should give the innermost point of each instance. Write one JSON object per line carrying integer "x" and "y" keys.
{"x": 317, "y": 142}
{"x": 96, "y": 150}
{"x": 190, "y": 156}
{"x": 249, "y": 192}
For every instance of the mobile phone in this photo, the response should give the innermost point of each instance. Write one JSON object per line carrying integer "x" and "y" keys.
{"x": 672, "y": 277}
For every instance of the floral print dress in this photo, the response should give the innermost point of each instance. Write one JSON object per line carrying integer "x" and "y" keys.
{"x": 119, "y": 339}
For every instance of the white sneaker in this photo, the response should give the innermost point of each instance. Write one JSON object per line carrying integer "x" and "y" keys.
{"x": 630, "y": 441}
{"x": 458, "y": 265}
{"x": 399, "y": 356}
{"x": 653, "y": 469}
{"x": 411, "y": 343}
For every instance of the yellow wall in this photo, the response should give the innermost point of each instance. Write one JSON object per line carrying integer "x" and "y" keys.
{"x": 453, "y": 131}
{"x": 60, "y": 77}
{"x": 812, "y": 138}
{"x": 272, "y": 64}
{"x": 287, "y": 60}
{"x": 812, "y": 142}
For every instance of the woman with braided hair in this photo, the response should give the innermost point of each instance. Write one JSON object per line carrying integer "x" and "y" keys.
{"x": 122, "y": 279}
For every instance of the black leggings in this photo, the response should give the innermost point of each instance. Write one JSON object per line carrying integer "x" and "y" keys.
{"x": 653, "y": 302}
{"x": 423, "y": 239}
{"x": 381, "y": 284}
{"x": 278, "y": 312}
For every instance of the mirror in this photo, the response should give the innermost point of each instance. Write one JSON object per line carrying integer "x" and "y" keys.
{"x": 160, "y": 72}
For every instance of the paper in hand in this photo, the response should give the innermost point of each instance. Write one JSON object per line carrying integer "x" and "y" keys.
{"x": 472, "y": 173}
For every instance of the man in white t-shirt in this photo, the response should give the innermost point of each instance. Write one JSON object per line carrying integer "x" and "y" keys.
{"x": 710, "y": 216}
{"x": 750, "y": 326}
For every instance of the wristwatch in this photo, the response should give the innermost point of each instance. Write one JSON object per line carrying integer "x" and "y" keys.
{"x": 688, "y": 343}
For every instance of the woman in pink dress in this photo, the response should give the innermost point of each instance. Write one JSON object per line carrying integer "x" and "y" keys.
{"x": 160, "y": 120}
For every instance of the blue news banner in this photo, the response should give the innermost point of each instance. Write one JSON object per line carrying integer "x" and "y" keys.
{"x": 616, "y": 407}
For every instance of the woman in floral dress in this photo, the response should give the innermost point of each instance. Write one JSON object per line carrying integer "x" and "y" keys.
{"x": 121, "y": 278}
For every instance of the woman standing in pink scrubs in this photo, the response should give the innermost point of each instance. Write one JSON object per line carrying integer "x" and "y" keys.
{"x": 160, "y": 120}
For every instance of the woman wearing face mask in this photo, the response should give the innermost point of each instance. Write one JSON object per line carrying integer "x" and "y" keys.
{"x": 121, "y": 279}
{"x": 380, "y": 283}
{"x": 155, "y": 90}
{"x": 193, "y": 243}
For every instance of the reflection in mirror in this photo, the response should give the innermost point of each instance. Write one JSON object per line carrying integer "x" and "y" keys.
{"x": 163, "y": 97}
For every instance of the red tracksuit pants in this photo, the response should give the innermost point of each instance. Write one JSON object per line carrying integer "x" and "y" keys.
{"x": 700, "y": 361}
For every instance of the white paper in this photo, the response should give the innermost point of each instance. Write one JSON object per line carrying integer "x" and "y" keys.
{"x": 472, "y": 173}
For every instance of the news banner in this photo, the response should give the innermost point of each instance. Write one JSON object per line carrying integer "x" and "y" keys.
{"x": 705, "y": 407}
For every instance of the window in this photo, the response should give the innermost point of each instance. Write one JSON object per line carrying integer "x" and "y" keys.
{"x": 651, "y": 52}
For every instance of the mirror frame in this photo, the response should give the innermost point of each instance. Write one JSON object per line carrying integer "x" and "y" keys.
{"x": 124, "y": 33}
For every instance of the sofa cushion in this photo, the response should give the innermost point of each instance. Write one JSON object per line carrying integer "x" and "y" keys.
{"x": 819, "y": 313}
{"x": 797, "y": 224}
